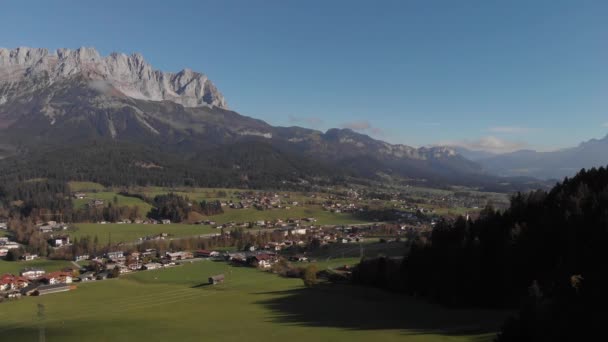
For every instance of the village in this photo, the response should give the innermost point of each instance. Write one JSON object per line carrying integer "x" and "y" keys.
{"x": 291, "y": 244}
{"x": 390, "y": 218}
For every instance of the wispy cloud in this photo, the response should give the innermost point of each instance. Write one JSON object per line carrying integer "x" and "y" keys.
{"x": 509, "y": 129}
{"x": 364, "y": 127}
{"x": 605, "y": 124}
{"x": 311, "y": 121}
{"x": 489, "y": 144}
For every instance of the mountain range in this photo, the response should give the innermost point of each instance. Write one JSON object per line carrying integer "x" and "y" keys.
{"x": 73, "y": 114}
{"x": 544, "y": 165}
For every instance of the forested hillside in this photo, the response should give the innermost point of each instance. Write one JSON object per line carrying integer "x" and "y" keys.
{"x": 546, "y": 255}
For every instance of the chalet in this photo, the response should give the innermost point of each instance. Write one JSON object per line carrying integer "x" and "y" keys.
{"x": 87, "y": 276}
{"x": 216, "y": 279}
{"x": 11, "y": 245}
{"x": 82, "y": 257}
{"x": 152, "y": 266}
{"x": 32, "y": 273}
{"x": 237, "y": 259}
{"x": 292, "y": 230}
{"x": 80, "y": 195}
{"x": 201, "y": 253}
{"x": 134, "y": 265}
{"x": 298, "y": 258}
{"x": 274, "y": 246}
{"x": 165, "y": 221}
{"x": 115, "y": 255}
{"x": 59, "y": 241}
{"x": 29, "y": 257}
{"x": 264, "y": 261}
{"x": 179, "y": 256}
{"x": 57, "y": 278}
{"x": 3, "y": 226}
{"x": 45, "y": 229}
{"x": 11, "y": 282}
{"x": 148, "y": 253}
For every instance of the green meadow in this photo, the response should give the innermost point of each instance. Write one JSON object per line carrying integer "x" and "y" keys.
{"x": 252, "y": 215}
{"x": 177, "y": 305}
{"x": 132, "y": 232}
{"x": 14, "y": 267}
{"x": 109, "y": 197}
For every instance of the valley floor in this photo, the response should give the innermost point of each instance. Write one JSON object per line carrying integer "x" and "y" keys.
{"x": 176, "y": 304}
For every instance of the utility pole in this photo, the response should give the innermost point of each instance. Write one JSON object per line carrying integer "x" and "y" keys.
{"x": 41, "y": 329}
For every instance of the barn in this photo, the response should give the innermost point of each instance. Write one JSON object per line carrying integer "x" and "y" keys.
{"x": 216, "y": 279}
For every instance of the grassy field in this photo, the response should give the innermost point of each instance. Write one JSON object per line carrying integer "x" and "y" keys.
{"x": 252, "y": 215}
{"x": 108, "y": 197}
{"x": 174, "y": 304}
{"x": 131, "y": 232}
{"x": 48, "y": 265}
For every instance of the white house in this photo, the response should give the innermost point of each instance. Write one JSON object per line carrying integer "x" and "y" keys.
{"x": 32, "y": 273}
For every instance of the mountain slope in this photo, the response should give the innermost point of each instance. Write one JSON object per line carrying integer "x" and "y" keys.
{"x": 67, "y": 100}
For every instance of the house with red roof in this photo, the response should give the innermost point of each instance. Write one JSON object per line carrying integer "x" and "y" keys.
{"x": 12, "y": 282}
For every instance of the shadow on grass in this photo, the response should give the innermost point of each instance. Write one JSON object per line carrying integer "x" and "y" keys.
{"x": 201, "y": 285}
{"x": 361, "y": 308}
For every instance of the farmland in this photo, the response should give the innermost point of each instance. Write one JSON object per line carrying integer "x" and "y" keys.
{"x": 48, "y": 265}
{"x": 115, "y": 198}
{"x": 175, "y": 304}
{"x": 132, "y": 232}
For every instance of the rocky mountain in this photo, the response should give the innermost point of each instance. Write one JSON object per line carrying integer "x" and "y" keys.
{"x": 26, "y": 70}
{"x": 69, "y": 99}
{"x": 549, "y": 165}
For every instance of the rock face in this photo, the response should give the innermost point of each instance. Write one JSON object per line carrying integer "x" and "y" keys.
{"x": 25, "y": 70}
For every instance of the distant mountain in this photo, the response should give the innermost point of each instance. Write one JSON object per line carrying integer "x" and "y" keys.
{"x": 56, "y": 106}
{"x": 549, "y": 165}
{"x": 473, "y": 155}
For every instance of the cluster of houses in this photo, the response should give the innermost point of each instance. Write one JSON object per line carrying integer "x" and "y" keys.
{"x": 261, "y": 259}
{"x": 121, "y": 262}
{"x": 337, "y": 207}
{"x": 50, "y": 226}
{"x": 35, "y": 282}
{"x": 139, "y": 221}
{"x": 262, "y": 201}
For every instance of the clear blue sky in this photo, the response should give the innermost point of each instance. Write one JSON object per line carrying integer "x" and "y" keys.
{"x": 482, "y": 73}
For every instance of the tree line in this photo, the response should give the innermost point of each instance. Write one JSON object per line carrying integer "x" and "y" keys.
{"x": 545, "y": 255}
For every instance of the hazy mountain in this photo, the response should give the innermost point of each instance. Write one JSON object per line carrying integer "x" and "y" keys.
{"x": 67, "y": 99}
{"x": 549, "y": 165}
{"x": 473, "y": 155}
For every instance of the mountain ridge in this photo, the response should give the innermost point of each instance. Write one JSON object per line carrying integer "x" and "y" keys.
{"x": 549, "y": 165}
{"x": 60, "y": 101}
{"x": 130, "y": 74}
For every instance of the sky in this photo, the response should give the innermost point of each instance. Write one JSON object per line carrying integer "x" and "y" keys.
{"x": 484, "y": 74}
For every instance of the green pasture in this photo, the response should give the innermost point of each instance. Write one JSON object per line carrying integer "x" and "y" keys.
{"x": 177, "y": 305}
